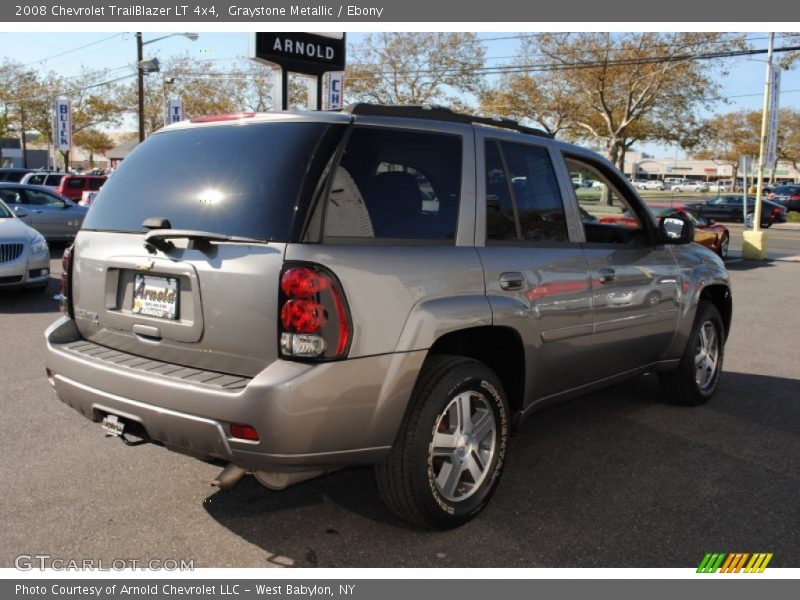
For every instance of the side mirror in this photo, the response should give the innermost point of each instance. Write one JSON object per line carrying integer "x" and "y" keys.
{"x": 675, "y": 229}
{"x": 21, "y": 212}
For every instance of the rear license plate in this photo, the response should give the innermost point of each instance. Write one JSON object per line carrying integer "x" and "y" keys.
{"x": 113, "y": 426}
{"x": 155, "y": 296}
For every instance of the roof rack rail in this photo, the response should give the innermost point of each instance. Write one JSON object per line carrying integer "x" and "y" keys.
{"x": 438, "y": 113}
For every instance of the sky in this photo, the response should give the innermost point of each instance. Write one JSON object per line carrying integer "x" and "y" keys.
{"x": 65, "y": 53}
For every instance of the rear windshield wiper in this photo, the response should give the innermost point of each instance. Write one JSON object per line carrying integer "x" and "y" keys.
{"x": 160, "y": 238}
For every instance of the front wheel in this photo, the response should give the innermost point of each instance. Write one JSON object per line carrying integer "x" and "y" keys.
{"x": 448, "y": 455}
{"x": 696, "y": 378}
{"x": 724, "y": 245}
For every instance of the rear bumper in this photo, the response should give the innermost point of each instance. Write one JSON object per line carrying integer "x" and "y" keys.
{"x": 322, "y": 415}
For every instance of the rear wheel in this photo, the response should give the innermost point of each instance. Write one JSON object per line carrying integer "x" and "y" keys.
{"x": 446, "y": 461}
{"x": 724, "y": 245}
{"x": 696, "y": 378}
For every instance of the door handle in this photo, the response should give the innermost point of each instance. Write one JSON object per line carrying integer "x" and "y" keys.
{"x": 512, "y": 281}
{"x": 606, "y": 275}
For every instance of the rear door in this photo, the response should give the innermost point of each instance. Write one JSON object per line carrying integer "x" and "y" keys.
{"x": 50, "y": 215}
{"x": 203, "y": 305}
{"x": 537, "y": 278}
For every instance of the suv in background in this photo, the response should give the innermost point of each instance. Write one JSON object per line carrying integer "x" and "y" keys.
{"x": 788, "y": 195}
{"x": 387, "y": 286}
{"x": 49, "y": 179}
{"x": 73, "y": 186}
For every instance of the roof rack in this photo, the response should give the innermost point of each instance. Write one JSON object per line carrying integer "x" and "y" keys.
{"x": 438, "y": 113}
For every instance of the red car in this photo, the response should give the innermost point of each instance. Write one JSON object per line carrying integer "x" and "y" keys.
{"x": 73, "y": 186}
{"x": 707, "y": 232}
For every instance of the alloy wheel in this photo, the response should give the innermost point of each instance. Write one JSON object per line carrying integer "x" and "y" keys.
{"x": 706, "y": 357}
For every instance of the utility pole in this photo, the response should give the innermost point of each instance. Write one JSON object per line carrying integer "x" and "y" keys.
{"x": 754, "y": 246}
{"x": 140, "y": 82}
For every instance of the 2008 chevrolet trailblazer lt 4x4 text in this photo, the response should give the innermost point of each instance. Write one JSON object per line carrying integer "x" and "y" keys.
{"x": 294, "y": 293}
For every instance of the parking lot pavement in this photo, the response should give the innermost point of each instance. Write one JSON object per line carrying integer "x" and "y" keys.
{"x": 614, "y": 479}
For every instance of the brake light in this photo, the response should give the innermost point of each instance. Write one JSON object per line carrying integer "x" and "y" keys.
{"x": 314, "y": 317}
{"x": 66, "y": 282}
{"x": 225, "y": 117}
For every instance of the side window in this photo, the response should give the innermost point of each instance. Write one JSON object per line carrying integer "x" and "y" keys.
{"x": 395, "y": 184}
{"x": 75, "y": 184}
{"x": 96, "y": 184}
{"x": 53, "y": 180}
{"x": 10, "y": 196}
{"x": 37, "y": 198}
{"x": 607, "y": 217}
{"x": 36, "y": 179}
{"x": 523, "y": 201}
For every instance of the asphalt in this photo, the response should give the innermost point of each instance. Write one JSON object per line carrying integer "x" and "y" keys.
{"x": 615, "y": 479}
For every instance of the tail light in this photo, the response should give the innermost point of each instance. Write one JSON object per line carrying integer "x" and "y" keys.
{"x": 314, "y": 318}
{"x": 776, "y": 212}
{"x": 794, "y": 197}
{"x": 66, "y": 282}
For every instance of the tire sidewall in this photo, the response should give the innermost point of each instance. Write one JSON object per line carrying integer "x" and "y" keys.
{"x": 707, "y": 313}
{"x": 465, "y": 379}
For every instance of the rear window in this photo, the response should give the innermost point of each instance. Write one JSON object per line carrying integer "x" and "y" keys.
{"x": 96, "y": 184}
{"x": 232, "y": 180}
{"x": 54, "y": 180}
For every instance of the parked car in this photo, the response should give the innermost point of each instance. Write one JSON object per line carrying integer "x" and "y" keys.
{"x": 12, "y": 174}
{"x": 707, "y": 232}
{"x": 729, "y": 208}
{"x": 55, "y": 217}
{"x": 787, "y": 195}
{"x": 24, "y": 255}
{"x": 690, "y": 186}
{"x": 49, "y": 179}
{"x": 73, "y": 186}
{"x": 280, "y": 300}
{"x": 638, "y": 183}
{"x": 653, "y": 184}
{"x": 724, "y": 185}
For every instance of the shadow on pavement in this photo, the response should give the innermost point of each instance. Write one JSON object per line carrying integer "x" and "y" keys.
{"x": 741, "y": 264}
{"x": 615, "y": 479}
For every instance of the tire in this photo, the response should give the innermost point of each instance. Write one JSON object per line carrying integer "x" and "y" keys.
{"x": 652, "y": 298}
{"x": 724, "y": 245}
{"x": 766, "y": 225}
{"x": 686, "y": 386}
{"x": 414, "y": 481}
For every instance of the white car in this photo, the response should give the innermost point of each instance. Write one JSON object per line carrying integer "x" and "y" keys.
{"x": 653, "y": 184}
{"x": 691, "y": 186}
{"x": 24, "y": 255}
{"x": 48, "y": 179}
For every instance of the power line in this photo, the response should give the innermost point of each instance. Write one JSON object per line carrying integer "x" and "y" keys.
{"x": 41, "y": 60}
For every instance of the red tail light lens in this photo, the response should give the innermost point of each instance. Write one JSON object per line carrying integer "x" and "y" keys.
{"x": 244, "y": 432}
{"x": 66, "y": 281}
{"x": 314, "y": 318}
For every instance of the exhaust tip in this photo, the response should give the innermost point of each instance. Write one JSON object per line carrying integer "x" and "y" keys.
{"x": 229, "y": 477}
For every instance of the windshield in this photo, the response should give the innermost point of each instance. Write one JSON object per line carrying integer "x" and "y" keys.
{"x": 237, "y": 180}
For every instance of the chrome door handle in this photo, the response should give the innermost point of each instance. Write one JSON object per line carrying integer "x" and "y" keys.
{"x": 512, "y": 281}
{"x": 606, "y": 275}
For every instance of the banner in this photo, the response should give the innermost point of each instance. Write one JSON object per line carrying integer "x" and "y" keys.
{"x": 174, "y": 111}
{"x": 63, "y": 125}
{"x": 334, "y": 99}
{"x": 771, "y": 159}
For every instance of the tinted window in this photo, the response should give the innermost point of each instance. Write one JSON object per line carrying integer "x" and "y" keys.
{"x": 37, "y": 198}
{"x": 96, "y": 184}
{"x": 36, "y": 179}
{"x": 501, "y": 222}
{"x": 54, "y": 180}
{"x": 234, "y": 180}
{"x": 10, "y": 196}
{"x": 75, "y": 184}
{"x": 396, "y": 184}
{"x": 535, "y": 192}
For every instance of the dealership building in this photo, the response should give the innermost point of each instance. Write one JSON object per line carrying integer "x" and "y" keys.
{"x": 639, "y": 165}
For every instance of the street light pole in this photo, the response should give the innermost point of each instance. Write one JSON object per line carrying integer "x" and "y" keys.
{"x": 140, "y": 82}
{"x": 754, "y": 242}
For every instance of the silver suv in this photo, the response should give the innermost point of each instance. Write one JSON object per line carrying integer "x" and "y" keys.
{"x": 294, "y": 293}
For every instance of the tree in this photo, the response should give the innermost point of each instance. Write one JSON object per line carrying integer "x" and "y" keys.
{"x": 415, "y": 68}
{"x": 629, "y": 86}
{"x": 20, "y": 98}
{"x": 93, "y": 141}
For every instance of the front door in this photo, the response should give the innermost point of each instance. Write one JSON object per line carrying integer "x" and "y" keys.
{"x": 636, "y": 283}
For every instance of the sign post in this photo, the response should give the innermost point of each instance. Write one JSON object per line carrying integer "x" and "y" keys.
{"x": 312, "y": 54}
{"x": 745, "y": 164}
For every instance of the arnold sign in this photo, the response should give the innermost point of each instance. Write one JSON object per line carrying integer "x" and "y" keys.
{"x": 305, "y": 53}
